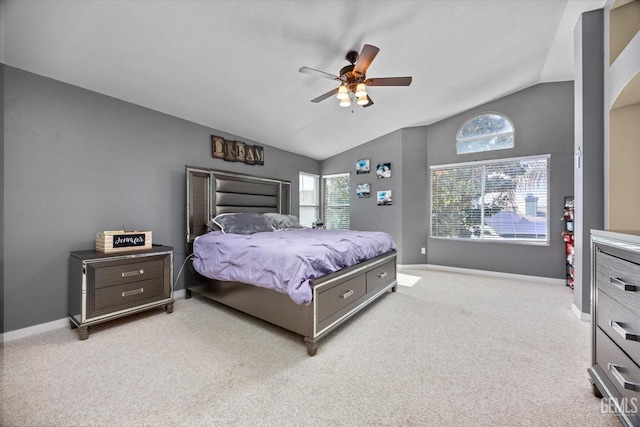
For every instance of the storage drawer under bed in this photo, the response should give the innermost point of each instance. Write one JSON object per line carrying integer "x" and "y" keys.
{"x": 339, "y": 297}
{"x": 381, "y": 276}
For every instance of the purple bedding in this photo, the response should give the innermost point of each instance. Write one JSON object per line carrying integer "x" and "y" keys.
{"x": 285, "y": 260}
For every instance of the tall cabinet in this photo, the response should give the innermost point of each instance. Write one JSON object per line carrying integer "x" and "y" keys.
{"x": 615, "y": 259}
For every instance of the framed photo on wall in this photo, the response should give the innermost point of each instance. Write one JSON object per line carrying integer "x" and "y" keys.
{"x": 384, "y": 198}
{"x": 363, "y": 190}
{"x": 383, "y": 170}
{"x": 363, "y": 166}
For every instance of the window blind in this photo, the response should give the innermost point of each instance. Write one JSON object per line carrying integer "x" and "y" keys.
{"x": 309, "y": 198}
{"x": 336, "y": 201}
{"x": 496, "y": 200}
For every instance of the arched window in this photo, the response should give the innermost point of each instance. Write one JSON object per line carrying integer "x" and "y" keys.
{"x": 485, "y": 132}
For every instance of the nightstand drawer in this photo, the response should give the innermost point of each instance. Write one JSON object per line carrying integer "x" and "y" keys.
{"x": 380, "y": 277}
{"x": 620, "y": 279}
{"x": 341, "y": 296}
{"x": 121, "y": 295}
{"x": 125, "y": 273}
{"x": 622, "y": 372}
{"x": 621, "y": 324}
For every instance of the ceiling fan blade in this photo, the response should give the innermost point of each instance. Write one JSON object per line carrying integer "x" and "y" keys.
{"x": 364, "y": 59}
{"x": 325, "y": 96}
{"x": 370, "y": 102}
{"x": 318, "y": 73}
{"x": 388, "y": 81}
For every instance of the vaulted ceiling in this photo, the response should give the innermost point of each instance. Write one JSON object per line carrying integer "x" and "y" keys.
{"x": 233, "y": 65}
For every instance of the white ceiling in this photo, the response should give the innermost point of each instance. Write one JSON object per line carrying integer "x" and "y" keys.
{"x": 233, "y": 65}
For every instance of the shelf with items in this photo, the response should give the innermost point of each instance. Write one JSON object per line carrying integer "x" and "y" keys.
{"x": 567, "y": 236}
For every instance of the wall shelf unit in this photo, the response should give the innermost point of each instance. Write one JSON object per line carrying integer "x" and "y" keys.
{"x": 622, "y": 97}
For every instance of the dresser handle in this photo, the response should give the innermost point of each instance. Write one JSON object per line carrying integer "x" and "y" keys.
{"x": 347, "y": 294}
{"x": 616, "y": 281}
{"x": 132, "y": 273}
{"x": 623, "y": 332}
{"x": 618, "y": 376}
{"x": 382, "y": 275}
{"x": 133, "y": 292}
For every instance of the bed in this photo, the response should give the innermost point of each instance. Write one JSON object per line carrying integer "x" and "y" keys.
{"x": 335, "y": 297}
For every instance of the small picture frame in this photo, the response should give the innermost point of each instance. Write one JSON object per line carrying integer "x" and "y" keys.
{"x": 383, "y": 170}
{"x": 363, "y": 190}
{"x": 384, "y": 198}
{"x": 363, "y": 166}
{"x": 217, "y": 147}
{"x": 259, "y": 154}
{"x": 230, "y": 151}
{"x": 240, "y": 151}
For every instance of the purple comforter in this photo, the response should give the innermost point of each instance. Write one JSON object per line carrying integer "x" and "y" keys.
{"x": 285, "y": 260}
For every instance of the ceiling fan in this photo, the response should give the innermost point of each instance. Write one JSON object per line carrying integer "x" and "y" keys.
{"x": 353, "y": 78}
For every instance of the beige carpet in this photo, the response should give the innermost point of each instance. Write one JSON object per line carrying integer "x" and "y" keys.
{"x": 448, "y": 350}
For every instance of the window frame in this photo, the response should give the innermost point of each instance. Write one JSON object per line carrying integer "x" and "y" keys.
{"x": 318, "y": 191}
{"x": 479, "y": 138}
{"x": 515, "y": 241}
{"x": 324, "y": 198}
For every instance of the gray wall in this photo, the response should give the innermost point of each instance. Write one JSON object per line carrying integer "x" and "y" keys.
{"x": 365, "y": 214}
{"x": 589, "y": 138}
{"x": 2, "y": 198}
{"x": 77, "y": 162}
{"x": 543, "y": 119}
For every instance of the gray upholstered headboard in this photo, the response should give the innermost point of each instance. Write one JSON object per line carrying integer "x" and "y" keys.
{"x": 211, "y": 192}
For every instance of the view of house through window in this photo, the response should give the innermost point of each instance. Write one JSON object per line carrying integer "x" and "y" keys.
{"x": 309, "y": 198}
{"x": 336, "y": 210}
{"x": 497, "y": 200}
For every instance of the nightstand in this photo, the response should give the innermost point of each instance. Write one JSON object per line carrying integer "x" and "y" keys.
{"x": 103, "y": 287}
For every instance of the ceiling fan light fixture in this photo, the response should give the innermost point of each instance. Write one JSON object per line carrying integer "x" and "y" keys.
{"x": 345, "y": 102}
{"x": 343, "y": 93}
{"x": 361, "y": 90}
{"x": 363, "y": 100}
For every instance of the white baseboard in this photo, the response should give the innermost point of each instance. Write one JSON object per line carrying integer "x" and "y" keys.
{"x": 55, "y": 324}
{"x": 484, "y": 273}
{"x": 579, "y": 314}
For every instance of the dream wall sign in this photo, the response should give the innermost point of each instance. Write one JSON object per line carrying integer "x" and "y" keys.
{"x": 236, "y": 151}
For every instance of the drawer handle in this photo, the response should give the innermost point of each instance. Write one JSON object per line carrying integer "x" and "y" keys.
{"x": 347, "y": 294}
{"x": 616, "y": 281}
{"x": 623, "y": 382}
{"x": 382, "y": 275}
{"x": 623, "y": 332}
{"x": 133, "y": 292}
{"x": 132, "y": 273}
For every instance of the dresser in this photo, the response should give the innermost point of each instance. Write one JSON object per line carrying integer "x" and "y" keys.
{"x": 104, "y": 287}
{"x": 615, "y": 296}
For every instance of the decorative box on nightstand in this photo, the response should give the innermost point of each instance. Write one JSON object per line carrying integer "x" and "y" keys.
{"x": 103, "y": 286}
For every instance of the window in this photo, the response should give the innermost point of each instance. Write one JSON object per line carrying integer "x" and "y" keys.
{"x": 485, "y": 132}
{"x": 498, "y": 200}
{"x": 336, "y": 209}
{"x": 309, "y": 198}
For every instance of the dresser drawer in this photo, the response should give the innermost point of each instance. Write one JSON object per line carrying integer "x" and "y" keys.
{"x": 339, "y": 297}
{"x": 381, "y": 276}
{"x": 620, "y": 279}
{"x": 121, "y": 296}
{"x": 621, "y": 324}
{"x": 111, "y": 275}
{"x": 621, "y": 371}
